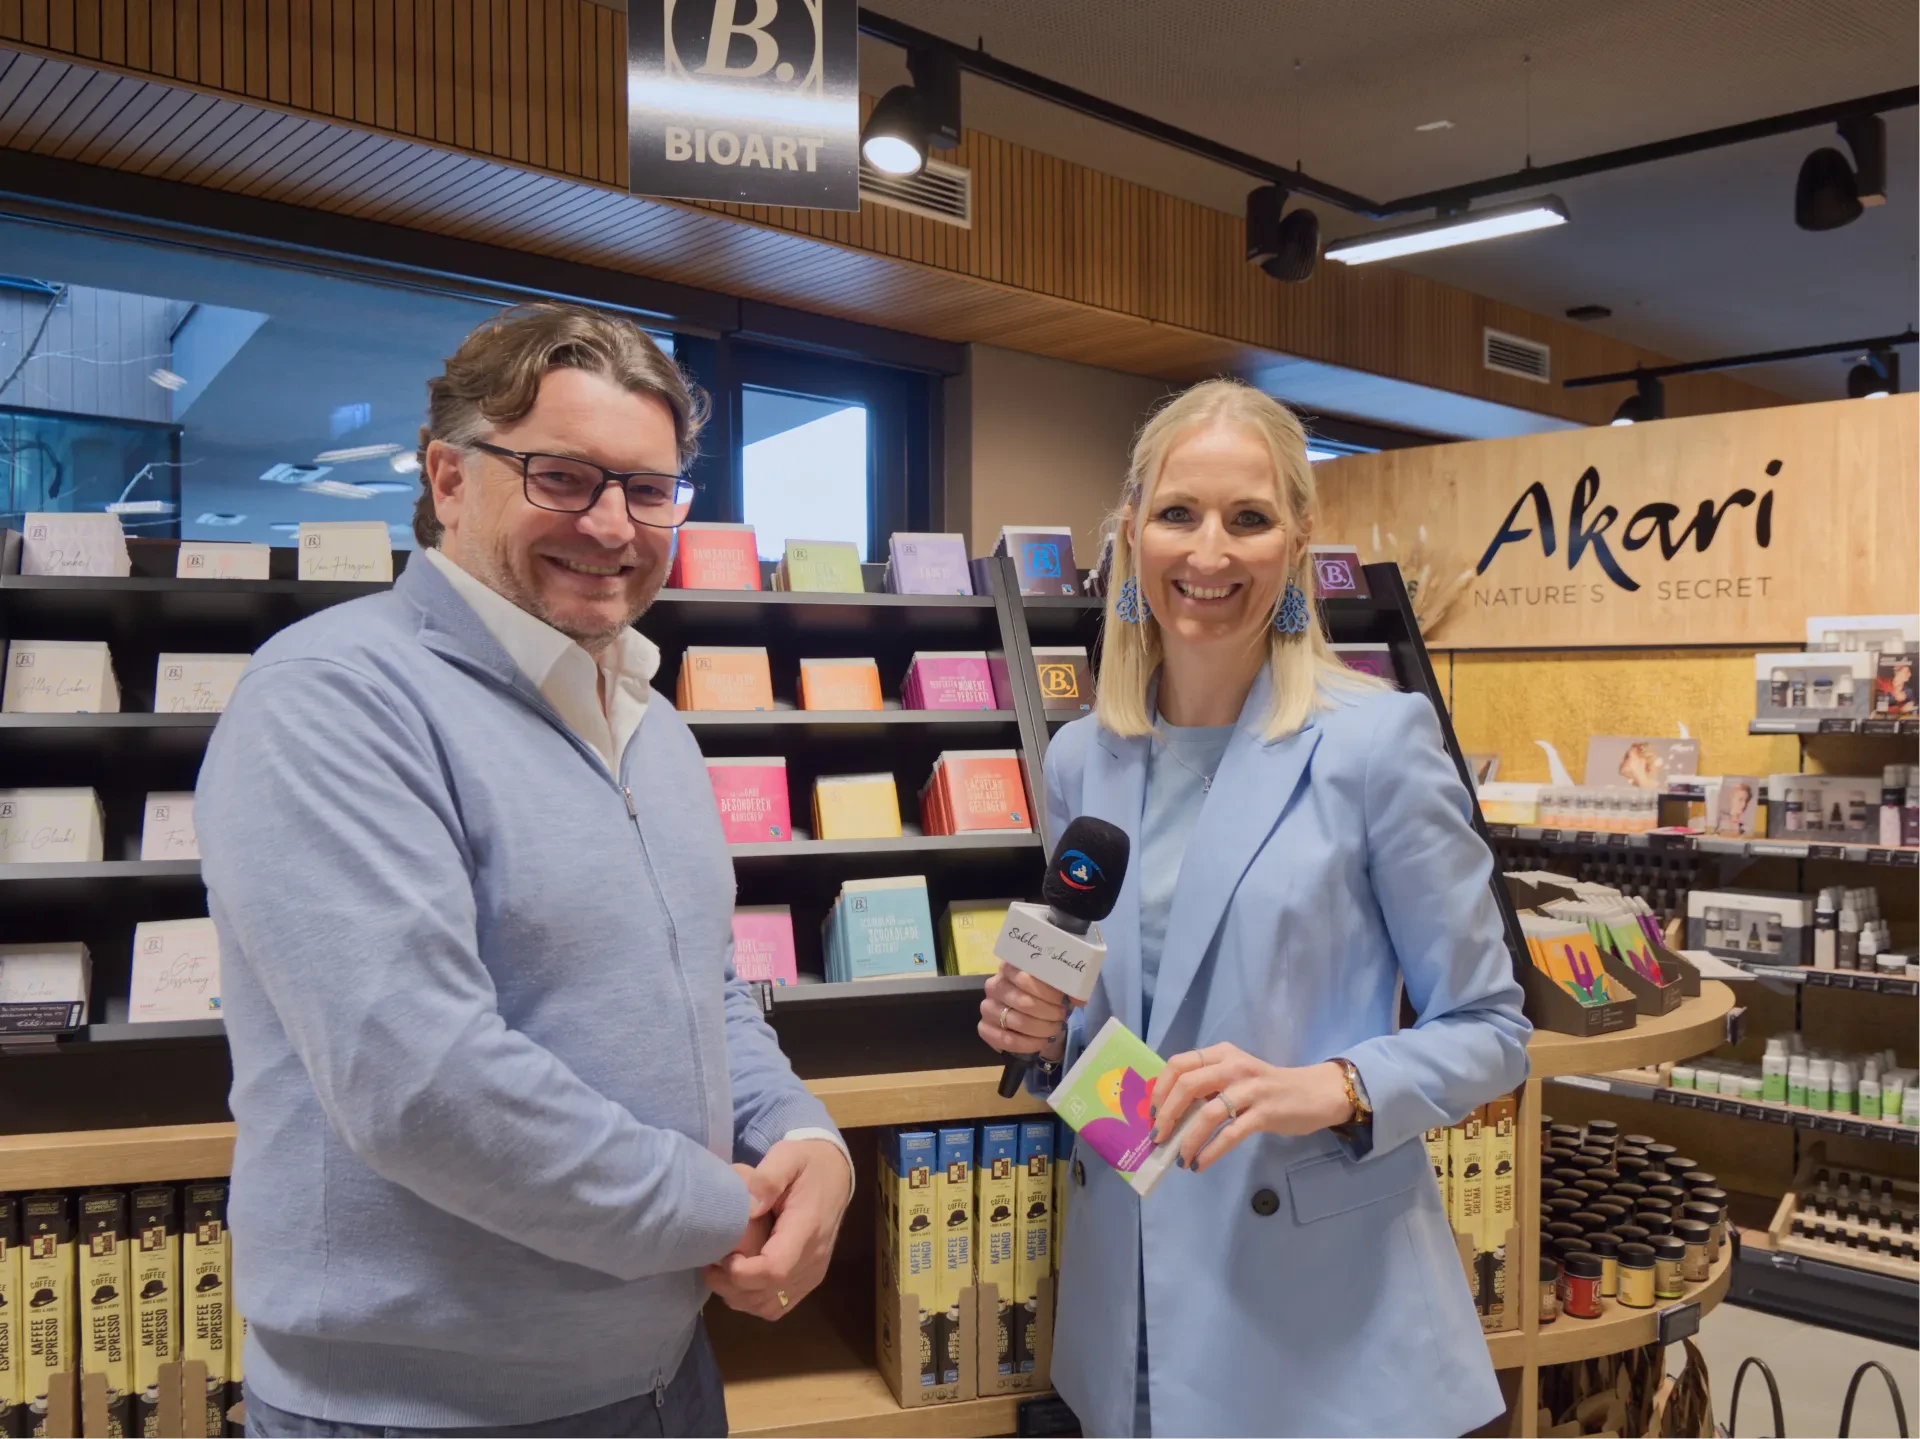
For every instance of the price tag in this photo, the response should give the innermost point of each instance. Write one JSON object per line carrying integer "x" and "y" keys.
{"x": 1586, "y": 836}
{"x": 1839, "y": 726}
{"x": 1826, "y": 851}
{"x": 1585, "y": 1081}
{"x": 1679, "y": 1321}
{"x": 1879, "y": 726}
{"x": 1779, "y": 1116}
{"x": 1500, "y": 831}
{"x": 1882, "y": 856}
{"x": 1900, "y": 986}
{"x": 1617, "y": 841}
{"x": 1550, "y": 836}
{"x": 1910, "y": 726}
{"x": 1763, "y": 849}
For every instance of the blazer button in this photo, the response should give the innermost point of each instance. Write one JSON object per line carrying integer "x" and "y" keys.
{"x": 1079, "y": 1174}
{"x": 1266, "y": 1203}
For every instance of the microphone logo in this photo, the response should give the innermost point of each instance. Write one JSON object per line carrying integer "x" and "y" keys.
{"x": 1077, "y": 871}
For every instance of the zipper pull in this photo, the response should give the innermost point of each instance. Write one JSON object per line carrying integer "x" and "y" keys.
{"x": 659, "y": 1394}
{"x": 627, "y": 794}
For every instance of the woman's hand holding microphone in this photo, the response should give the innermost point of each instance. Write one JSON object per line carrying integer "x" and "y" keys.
{"x": 1021, "y": 1015}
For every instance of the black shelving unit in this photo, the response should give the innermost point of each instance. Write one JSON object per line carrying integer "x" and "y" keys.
{"x": 104, "y": 1073}
{"x": 1837, "y": 1296}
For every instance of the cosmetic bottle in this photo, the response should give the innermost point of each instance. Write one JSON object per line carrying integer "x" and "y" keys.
{"x": 1869, "y": 954}
{"x": 1777, "y": 688}
{"x": 1826, "y": 924}
{"x": 1797, "y": 691}
{"x": 1843, "y": 693}
{"x": 1846, "y": 954}
{"x": 1792, "y": 809}
{"x": 1844, "y": 1086}
{"x": 1797, "y": 1081}
{"x": 1819, "y": 1085}
{"x": 1822, "y": 690}
{"x": 1773, "y": 1071}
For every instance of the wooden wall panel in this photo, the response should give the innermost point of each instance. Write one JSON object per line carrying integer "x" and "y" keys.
{"x": 540, "y": 84}
{"x": 1711, "y": 530}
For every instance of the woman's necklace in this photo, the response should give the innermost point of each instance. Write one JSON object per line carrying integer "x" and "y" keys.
{"x": 1206, "y": 780}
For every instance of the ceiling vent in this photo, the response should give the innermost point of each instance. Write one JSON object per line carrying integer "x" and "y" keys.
{"x": 1511, "y": 355}
{"x": 939, "y": 191}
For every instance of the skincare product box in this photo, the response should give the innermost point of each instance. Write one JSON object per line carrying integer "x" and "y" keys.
{"x": 1790, "y": 689}
{"x": 176, "y": 971}
{"x": 60, "y": 677}
{"x": 74, "y": 544}
{"x": 196, "y": 684}
{"x": 1824, "y": 808}
{"x": 928, "y": 565}
{"x": 1761, "y": 926}
{"x": 166, "y": 828}
{"x": 44, "y": 986}
{"x": 1862, "y": 632}
{"x": 222, "y": 560}
{"x": 713, "y": 556}
{"x": 346, "y": 551}
{"x": 1894, "y": 694}
{"x": 1107, "y": 1097}
{"x": 50, "y": 826}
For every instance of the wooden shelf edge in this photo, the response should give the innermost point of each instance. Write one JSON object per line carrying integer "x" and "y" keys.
{"x": 74, "y": 1159}
{"x": 1618, "y": 1328}
{"x": 871, "y": 1411}
{"x": 1697, "y": 1026}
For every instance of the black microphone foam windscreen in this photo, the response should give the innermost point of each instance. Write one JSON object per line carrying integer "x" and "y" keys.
{"x": 1088, "y": 866}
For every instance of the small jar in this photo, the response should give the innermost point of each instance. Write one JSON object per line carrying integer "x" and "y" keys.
{"x": 1678, "y": 1165}
{"x": 1753, "y": 1087}
{"x": 1655, "y": 1204}
{"x": 1669, "y": 1255}
{"x": 1631, "y": 1234}
{"x": 1571, "y": 1202}
{"x": 1613, "y": 1212}
{"x": 1695, "y": 1263}
{"x": 1590, "y": 1189}
{"x": 1594, "y": 1156}
{"x": 1549, "y": 1289}
{"x": 1636, "y": 1276}
{"x": 1607, "y": 1246}
{"x": 1637, "y": 1141}
{"x": 1655, "y": 1175}
{"x": 1608, "y": 1176}
{"x": 1797, "y": 1081}
{"x": 1706, "y": 1078}
{"x": 1580, "y": 1275}
{"x": 1567, "y": 1174}
{"x": 1563, "y": 1229}
{"x": 1655, "y": 1224}
{"x": 1554, "y": 1155}
{"x": 1700, "y": 1179}
{"x": 1604, "y": 1131}
{"x": 1630, "y": 1191}
{"x": 1631, "y": 1166}
{"x": 1658, "y": 1152}
{"x": 1589, "y": 1222}
{"x": 1718, "y": 1199}
{"x": 1568, "y": 1134}
{"x": 1703, "y": 1213}
{"x": 1670, "y": 1193}
{"x": 1682, "y": 1077}
{"x": 1820, "y": 1085}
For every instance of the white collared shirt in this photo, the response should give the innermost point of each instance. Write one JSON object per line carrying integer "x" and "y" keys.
{"x": 572, "y": 681}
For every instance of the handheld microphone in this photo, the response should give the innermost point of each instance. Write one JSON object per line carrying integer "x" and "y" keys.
{"x": 1049, "y": 940}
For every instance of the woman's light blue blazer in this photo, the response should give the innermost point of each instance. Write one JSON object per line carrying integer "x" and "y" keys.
{"x": 1294, "y": 1287}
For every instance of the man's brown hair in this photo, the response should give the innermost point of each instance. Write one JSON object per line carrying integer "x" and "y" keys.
{"x": 494, "y": 378}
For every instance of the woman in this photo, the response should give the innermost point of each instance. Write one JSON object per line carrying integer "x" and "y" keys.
{"x": 1301, "y": 848}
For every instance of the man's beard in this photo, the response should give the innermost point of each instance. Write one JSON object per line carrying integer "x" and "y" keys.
{"x": 499, "y": 576}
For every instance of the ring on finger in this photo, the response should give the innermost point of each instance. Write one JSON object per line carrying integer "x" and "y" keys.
{"x": 1232, "y": 1113}
{"x": 1005, "y": 1010}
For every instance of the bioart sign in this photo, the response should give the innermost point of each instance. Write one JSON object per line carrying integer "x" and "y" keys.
{"x": 1720, "y": 529}
{"x": 751, "y": 101}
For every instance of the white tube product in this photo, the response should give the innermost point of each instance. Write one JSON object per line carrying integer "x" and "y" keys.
{"x": 1797, "y": 1081}
{"x": 1844, "y": 1089}
{"x": 1773, "y": 1070}
{"x": 1819, "y": 1084}
{"x": 1869, "y": 1098}
{"x": 1825, "y": 931}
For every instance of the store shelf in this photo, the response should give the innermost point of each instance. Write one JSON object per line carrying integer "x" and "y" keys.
{"x": 1837, "y": 1296}
{"x": 1903, "y": 727}
{"x": 1852, "y": 1127}
{"x": 115, "y": 1156}
{"x": 1580, "y": 839}
{"x": 842, "y": 859}
{"x": 1697, "y": 1026}
{"x": 194, "y": 1151}
{"x": 39, "y": 734}
{"x": 1619, "y": 1327}
{"x": 935, "y": 987}
{"x": 1833, "y": 978}
{"x": 33, "y": 883}
{"x": 803, "y": 1377}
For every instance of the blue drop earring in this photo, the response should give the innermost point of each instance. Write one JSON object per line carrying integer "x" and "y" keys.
{"x": 1291, "y": 617}
{"x": 1128, "y": 605}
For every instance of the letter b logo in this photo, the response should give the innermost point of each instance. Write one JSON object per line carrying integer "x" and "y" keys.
{"x": 766, "y": 50}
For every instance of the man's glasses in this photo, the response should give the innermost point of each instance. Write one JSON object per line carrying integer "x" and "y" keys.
{"x": 571, "y": 487}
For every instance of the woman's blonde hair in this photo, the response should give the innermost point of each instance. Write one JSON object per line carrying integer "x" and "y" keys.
{"x": 1303, "y": 666}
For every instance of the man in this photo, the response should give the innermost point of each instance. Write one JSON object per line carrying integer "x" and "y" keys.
{"x": 505, "y": 1114}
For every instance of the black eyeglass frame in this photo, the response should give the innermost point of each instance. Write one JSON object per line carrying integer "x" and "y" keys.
{"x": 607, "y": 477}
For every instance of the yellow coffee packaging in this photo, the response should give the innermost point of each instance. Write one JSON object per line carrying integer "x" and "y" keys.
{"x": 1033, "y": 1241}
{"x": 104, "y": 1346}
{"x": 993, "y": 1210}
{"x": 205, "y": 1272}
{"x": 155, "y": 1282}
{"x": 46, "y": 1288}
{"x": 13, "y": 1375}
{"x": 1466, "y": 1155}
{"x": 1436, "y": 1140}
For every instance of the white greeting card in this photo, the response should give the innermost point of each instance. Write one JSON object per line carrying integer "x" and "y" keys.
{"x": 74, "y": 544}
{"x": 176, "y": 971}
{"x": 222, "y": 560}
{"x": 166, "y": 830}
{"x": 352, "y": 551}
{"x": 50, "y": 826}
{"x": 195, "y": 684}
{"x": 60, "y": 677}
{"x": 44, "y": 973}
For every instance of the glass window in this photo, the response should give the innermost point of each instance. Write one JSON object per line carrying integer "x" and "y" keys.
{"x": 803, "y": 464}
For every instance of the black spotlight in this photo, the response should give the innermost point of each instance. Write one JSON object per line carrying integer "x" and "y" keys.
{"x": 911, "y": 119}
{"x": 1648, "y": 403}
{"x": 1285, "y": 246}
{"x": 1875, "y": 377}
{"x": 1831, "y": 192}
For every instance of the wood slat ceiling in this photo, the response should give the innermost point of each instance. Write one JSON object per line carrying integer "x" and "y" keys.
{"x": 1062, "y": 260}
